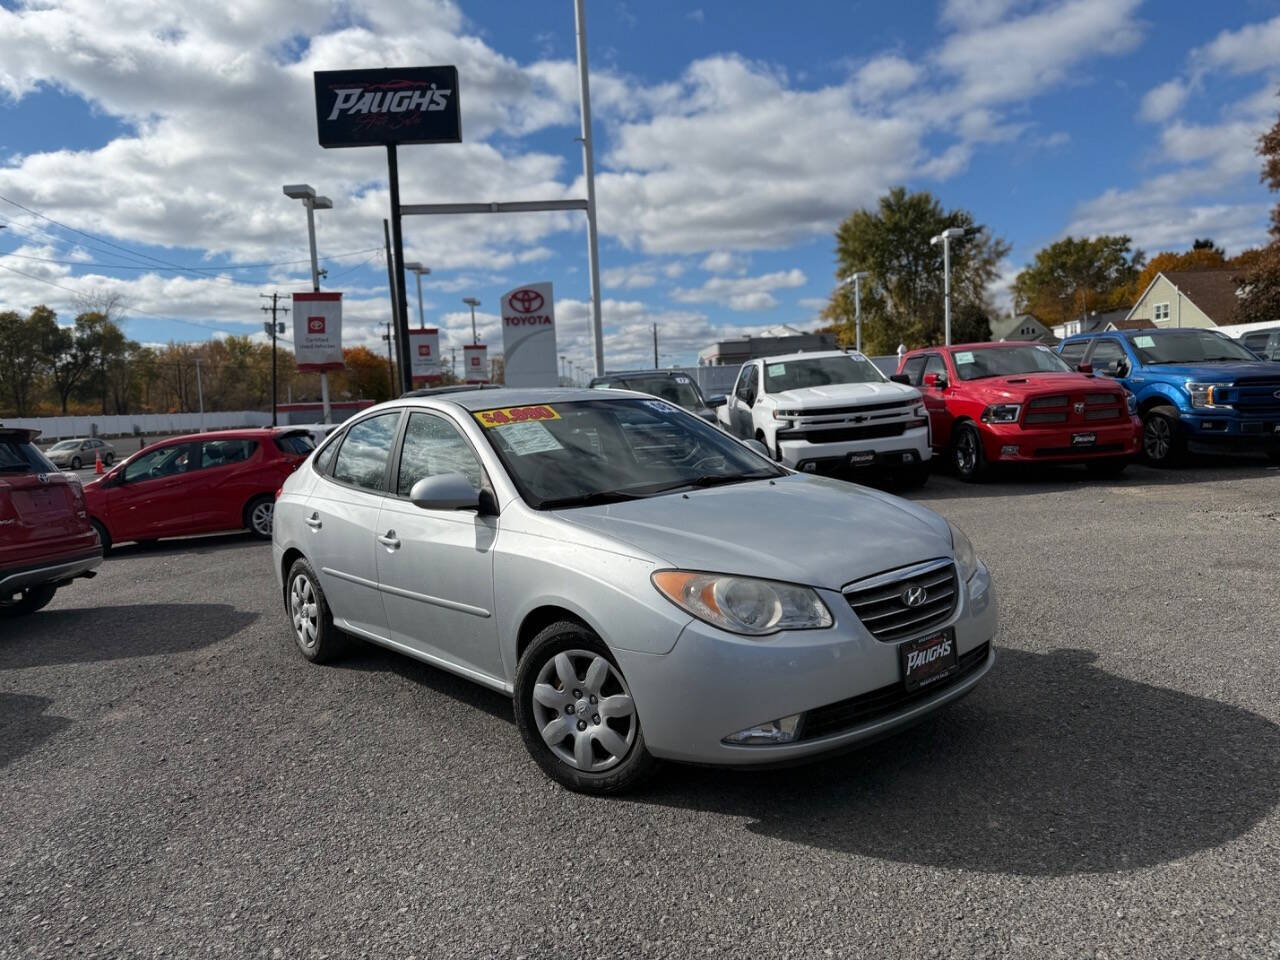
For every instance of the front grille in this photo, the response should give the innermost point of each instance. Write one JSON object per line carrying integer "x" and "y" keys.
{"x": 1045, "y": 418}
{"x": 883, "y": 611}
{"x": 1257, "y": 394}
{"x": 866, "y": 707}
{"x": 845, "y": 434}
{"x": 861, "y": 408}
{"x": 1103, "y": 413}
{"x": 1054, "y": 401}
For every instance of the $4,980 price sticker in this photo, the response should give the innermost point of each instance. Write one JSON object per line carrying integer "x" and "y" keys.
{"x": 506, "y": 415}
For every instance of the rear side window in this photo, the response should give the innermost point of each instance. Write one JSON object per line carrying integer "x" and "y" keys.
{"x": 1073, "y": 353}
{"x": 362, "y": 458}
{"x": 18, "y": 456}
{"x": 298, "y": 444}
{"x": 221, "y": 453}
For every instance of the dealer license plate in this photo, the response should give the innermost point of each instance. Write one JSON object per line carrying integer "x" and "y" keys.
{"x": 862, "y": 459}
{"x": 928, "y": 660}
{"x": 1083, "y": 439}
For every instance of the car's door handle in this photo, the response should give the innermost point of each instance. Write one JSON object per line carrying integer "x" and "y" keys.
{"x": 314, "y": 521}
{"x": 390, "y": 540}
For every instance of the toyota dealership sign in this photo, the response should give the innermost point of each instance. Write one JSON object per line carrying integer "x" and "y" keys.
{"x": 424, "y": 354}
{"x": 317, "y": 331}
{"x": 529, "y": 336}
{"x": 364, "y": 108}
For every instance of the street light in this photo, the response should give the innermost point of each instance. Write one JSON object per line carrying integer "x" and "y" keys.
{"x": 307, "y": 194}
{"x": 472, "y": 302}
{"x": 945, "y": 238}
{"x": 856, "y": 279}
{"x": 419, "y": 269}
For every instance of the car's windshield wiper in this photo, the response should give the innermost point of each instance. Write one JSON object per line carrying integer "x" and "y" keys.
{"x": 712, "y": 480}
{"x": 590, "y": 499}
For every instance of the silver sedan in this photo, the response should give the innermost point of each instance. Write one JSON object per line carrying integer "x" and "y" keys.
{"x": 644, "y": 586}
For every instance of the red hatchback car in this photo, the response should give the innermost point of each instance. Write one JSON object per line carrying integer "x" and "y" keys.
{"x": 1020, "y": 402}
{"x": 45, "y": 537}
{"x": 203, "y": 483}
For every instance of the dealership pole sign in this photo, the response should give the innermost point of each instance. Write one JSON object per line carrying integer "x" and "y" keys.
{"x": 475, "y": 360}
{"x": 317, "y": 331}
{"x": 529, "y": 337}
{"x": 424, "y": 349}
{"x": 385, "y": 108}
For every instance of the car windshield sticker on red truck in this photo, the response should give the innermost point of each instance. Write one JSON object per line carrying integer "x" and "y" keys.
{"x": 528, "y": 437}
{"x": 964, "y": 356}
{"x": 506, "y": 415}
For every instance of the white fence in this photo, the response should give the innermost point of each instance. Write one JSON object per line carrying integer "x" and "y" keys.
{"x": 148, "y": 424}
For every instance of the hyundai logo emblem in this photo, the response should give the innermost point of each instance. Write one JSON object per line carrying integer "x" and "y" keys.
{"x": 915, "y": 595}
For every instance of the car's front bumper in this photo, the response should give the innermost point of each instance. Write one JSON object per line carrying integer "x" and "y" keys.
{"x": 1014, "y": 443}
{"x": 909, "y": 448}
{"x": 1228, "y": 431}
{"x": 713, "y": 684}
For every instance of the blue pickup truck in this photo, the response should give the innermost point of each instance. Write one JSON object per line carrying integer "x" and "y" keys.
{"x": 1195, "y": 389}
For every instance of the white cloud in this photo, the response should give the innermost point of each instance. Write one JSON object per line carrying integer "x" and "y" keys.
{"x": 627, "y": 278}
{"x": 723, "y": 261}
{"x": 1250, "y": 49}
{"x": 976, "y": 13}
{"x": 742, "y": 293}
{"x": 1162, "y": 102}
{"x": 885, "y": 75}
{"x": 696, "y": 15}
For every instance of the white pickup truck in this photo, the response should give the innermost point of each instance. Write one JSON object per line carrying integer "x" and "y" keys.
{"x": 830, "y": 409}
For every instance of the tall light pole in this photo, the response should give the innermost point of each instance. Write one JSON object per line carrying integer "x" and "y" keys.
{"x": 472, "y": 302}
{"x": 200, "y": 392}
{"x": 562, "y": 370}
{"x": 945, "y": 238}
{"x": 419, "y": 270}
{"x": 589, "y": 174}
{"x": 307, "y": 194}
{"x": 856, "y": 279}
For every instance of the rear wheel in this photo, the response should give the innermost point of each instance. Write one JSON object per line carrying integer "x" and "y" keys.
{"x": 967, "y": 454}
{"x": 103, "y": 536}
{"x": 75, "y": 463}
{"x": 1162, "y": 440}
{"x": 258, "y": 516}
{"x": 1111, "y": 467}
{"x": 109, "y": 459}
{"x": 314, "y": 634}
{"x": 28, "y": 601}
{"x": 576, "y": 714}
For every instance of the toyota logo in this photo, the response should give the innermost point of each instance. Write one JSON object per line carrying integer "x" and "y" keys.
{"x": 915, "y": 595}
{"x": 525, "y": 301}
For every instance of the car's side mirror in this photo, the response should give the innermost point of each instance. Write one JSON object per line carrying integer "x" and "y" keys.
{"x": 901, "y": 378}
{"x": 1085, "y": 367}
{"x": 1116, "y": 368}
{"x": 719, "y": 400}
{"x": 936, "y": 381}
{"x": 445, "y": 491}
{"x": 757, "y": 446}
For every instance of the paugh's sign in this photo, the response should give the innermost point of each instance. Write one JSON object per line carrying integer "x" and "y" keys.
{"x": 360, "y": 108}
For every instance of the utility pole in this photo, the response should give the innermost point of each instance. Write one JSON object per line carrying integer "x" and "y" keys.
{"x": 453, "y": 362}
{"x": 655, "y": 345}
{"x": 274, "y": 329}
{"x": 391, "y": 367}
{"x": 200, "y": 391}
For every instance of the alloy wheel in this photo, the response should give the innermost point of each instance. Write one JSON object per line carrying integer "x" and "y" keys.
{"x": 304, "y": 611}
{"x": 583, "y": 709}
{"x": 966, "y": 453}
{"x": 260, "y": 518}
{"x": 1157, "y": 437}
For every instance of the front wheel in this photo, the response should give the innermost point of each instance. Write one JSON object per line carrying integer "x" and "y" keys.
{"x": 576, "y": 714}
{"x": 967, "y": 454}
{"x": 258, "y": 516}
{"x": 1162, "y": 441}
{"x": 28, "y": 601}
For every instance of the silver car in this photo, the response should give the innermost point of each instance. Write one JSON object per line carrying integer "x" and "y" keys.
{"x": 643, "y": 585}
{"x": 81, "y": 452}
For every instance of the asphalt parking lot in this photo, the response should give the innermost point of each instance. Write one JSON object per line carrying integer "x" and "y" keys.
{"x": 177, "y": 781}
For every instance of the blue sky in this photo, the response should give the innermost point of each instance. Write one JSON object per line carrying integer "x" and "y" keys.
{"x": 731, "y": 138}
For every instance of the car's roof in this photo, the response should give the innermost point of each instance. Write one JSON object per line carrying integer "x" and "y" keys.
{"x": 1145, "y": 332}
{"x": 451, "y": 388}
{"x": 77, "y": 439}
{"x": 244, "y": 433}
{"x": 803, "y": 355}
{"x": 981, "y": 345}
{"x": 21, "y": 434}
{"x": 633, "y": 374}
{"x": 526, "y": 396}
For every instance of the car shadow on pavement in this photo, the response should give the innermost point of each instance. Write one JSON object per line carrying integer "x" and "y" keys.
{"x": 204, "y": 543}
{"x": 25, "y": 725}
{"x": 370, "y": 656}
{"x": 94, "y": 634}
{"x": 1052, "y": 767}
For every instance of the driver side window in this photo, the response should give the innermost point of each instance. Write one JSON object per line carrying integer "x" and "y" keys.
{"x": 934, "y": 364}
{"x": 433, "y": 447}
{"x": 747, "y": 385}
{"x": 164, "y": 462}
{"x": 1105, "y": 353}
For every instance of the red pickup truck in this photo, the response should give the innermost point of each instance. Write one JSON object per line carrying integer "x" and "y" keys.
{"x": 45, "y": 537}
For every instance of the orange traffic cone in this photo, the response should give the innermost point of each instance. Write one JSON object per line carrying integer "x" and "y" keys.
{"x": 97, "y": 464}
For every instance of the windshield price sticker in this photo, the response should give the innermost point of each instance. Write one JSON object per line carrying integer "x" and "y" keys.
{"x": 679, "y": 378}
{"x": 529, "y": 436}
{"x": 777, "y": 369}
{"x": 660, "y": 405}
{"x": 1147, "y": 342}
{"x": 508, "y": 415}
{"x": 964, "y": 356}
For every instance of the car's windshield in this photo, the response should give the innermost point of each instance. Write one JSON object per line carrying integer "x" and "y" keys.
{"x": 598, "y": 451}
{"x": 1188, "y": 346}
{"x": 783, "y": 375}
{"x": 1006, "y": 361}
{"x": 678, "y": 389}
{"x": 65, "y": 445}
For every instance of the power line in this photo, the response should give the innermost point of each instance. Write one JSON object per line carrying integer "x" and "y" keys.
{"x": 244, "y": 266}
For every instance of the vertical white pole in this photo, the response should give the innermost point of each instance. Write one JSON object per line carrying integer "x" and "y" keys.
{"x": 421, "y": 322}
{"x": 857, "y": 310}
{"x": 315, "y": 286}
{"x": 946, "y": 283}
{"x": 589, "y": 171}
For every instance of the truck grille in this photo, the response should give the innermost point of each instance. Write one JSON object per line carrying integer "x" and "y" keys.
{"x": 866, "y": 707}
{"x": 885, "y": 613}
{"x": 844, "y": 434}
{"x": 861, "y": 408}
{"x": 1060, "y": 408}
{"x": 1258, "y": 394}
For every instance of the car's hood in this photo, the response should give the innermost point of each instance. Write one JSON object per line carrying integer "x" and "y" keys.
{"x": 801, "y": 529}
{"x": 843, "y": 394}
{"x": 1212, "y": 372}
{"x": 1018, "y": 386}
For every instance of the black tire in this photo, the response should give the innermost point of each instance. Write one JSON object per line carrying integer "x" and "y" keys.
{"x": 773, "y": 451}
{"x": 103, "y": 536}
{"x": 109, "y": 459}
{"x": 30, "y": 600}
{"x": 1274, "y": 454}
{"x": 252, "y": 520}
{"x": 1110, "y": 467}
{"x": 913, "y": 477}
{"x": 635, "y": 766}
{"x": 328, "y": 642}
{"x": 967, "y": 455}
{"x": 1163, "y": 444}
{"x": 75, "y": 463}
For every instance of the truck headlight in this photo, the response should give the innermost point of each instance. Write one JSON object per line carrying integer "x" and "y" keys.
{"x": 1131, "y": 399}
{"x": 1207, "y": 395}
{"x": 1002, "y": 413}
{"x": 745, "y": 605}
{"x": 966, "y": 559}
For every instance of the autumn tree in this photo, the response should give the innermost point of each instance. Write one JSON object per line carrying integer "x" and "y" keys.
{"x": 1072, "y": 276}
{"x": 367, "y": 374}
{"x": 902, "y": 297}
{"x": 1260, "y": 279}
{"x": 25, "y": 345}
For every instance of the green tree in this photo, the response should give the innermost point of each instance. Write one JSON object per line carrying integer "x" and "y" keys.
{"x": 72, "y": 356}
{"x": 1069, "y": 278}
{"x": 25, "y": 355}
{"x": 902, "y": 297}
{"x": 1259, "y": 275}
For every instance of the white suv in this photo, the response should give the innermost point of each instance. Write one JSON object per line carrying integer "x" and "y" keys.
{"x": 829, "y": 409}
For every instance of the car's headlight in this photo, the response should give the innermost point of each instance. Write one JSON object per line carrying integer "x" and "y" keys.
{"x": 966, "y": 559}
{"x": 744, "y": 605}
{"x": 1131, "y": 399}
{"x": 1206, "y": 394}
{"x": 1002, "y": 413}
